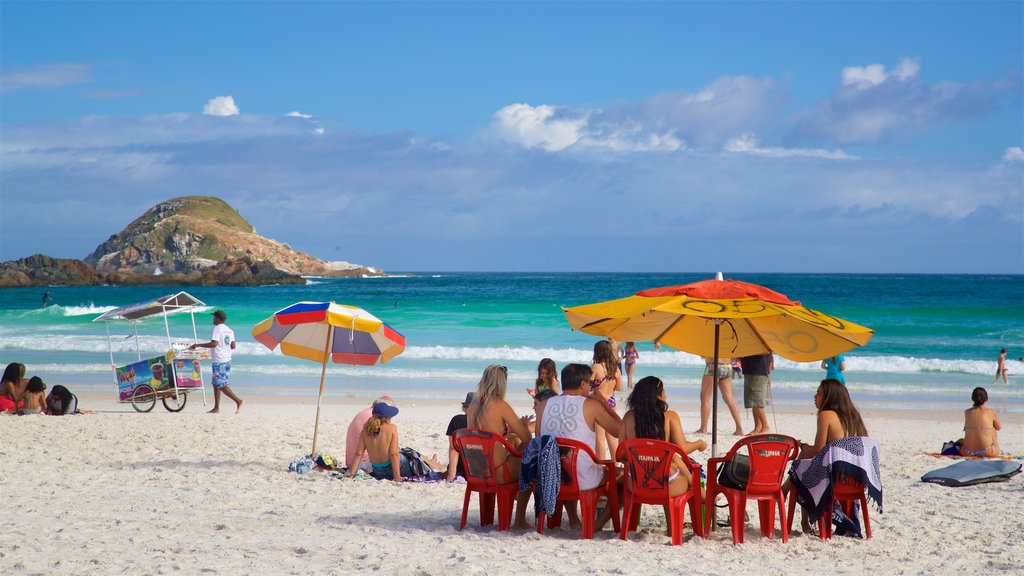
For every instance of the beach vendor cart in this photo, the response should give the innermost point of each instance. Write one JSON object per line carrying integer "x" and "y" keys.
{"x": 169, "y": 377}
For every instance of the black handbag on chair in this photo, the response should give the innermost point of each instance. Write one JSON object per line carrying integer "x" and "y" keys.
{"x": 735, "y": 472}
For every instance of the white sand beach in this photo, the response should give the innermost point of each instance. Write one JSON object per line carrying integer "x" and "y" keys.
{"x": 118, "y": 492}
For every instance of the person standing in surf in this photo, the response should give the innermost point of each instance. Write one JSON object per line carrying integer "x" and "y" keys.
{"x": 1001, "y": 368}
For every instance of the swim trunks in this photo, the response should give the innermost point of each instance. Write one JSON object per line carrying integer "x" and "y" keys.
{"x": 221, "y": 374}
{"x": 755, "y": 390}
{"x": 724, "y": 370}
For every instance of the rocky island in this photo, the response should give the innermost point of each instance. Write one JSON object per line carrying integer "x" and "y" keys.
{"x": 191, "y": 240}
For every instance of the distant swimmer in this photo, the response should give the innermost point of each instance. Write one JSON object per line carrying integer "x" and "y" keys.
{"x": 47, "y": 298}
{"x": 1001, "y": 367}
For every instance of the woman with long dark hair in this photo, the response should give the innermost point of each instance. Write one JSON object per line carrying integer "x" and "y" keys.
{"x": 12, "y": 386}
{"x": 837, "y": 417}
{"x": 605, "y": 381}
{"x": 649, "y": 417}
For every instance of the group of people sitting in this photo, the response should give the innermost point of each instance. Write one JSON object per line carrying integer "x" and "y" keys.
{"x": 20, "y": 395}
{"x": 578, "y": 411}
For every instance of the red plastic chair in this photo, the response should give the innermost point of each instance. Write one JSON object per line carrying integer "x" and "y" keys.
{"x": 846, "y": 491}
{"x": 648, "y": 466}
{"x": 770, "y": 455}
{"x": 569, "y": 490}
{"x": 476, "y": 452}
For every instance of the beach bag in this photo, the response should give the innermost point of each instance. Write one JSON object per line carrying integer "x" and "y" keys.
{"x": 735, "y": 472}
{"x": 951, "y": 448}
{"x": 411, "y": 463}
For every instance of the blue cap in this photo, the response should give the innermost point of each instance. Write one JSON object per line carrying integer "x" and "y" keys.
{"x": 384, "y": 410}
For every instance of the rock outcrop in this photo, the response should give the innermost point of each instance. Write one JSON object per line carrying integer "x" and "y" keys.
{"x": 192, "y": 233}
{"x": 42, "y": 270}
{"x": 187, "y": 241}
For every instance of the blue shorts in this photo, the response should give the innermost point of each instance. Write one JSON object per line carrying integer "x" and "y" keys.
{"x": 221, "y": 374}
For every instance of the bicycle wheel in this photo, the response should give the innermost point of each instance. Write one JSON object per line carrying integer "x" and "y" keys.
{"x": 144, "y": 398}
{"x": 175, "y": 402}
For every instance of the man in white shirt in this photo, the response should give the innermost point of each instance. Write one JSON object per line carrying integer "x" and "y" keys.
{"x": 223, "y": 342}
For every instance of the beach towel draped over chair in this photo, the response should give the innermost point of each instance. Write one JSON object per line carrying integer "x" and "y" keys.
{"x": 541, "y": 471}
{"x": 840, "y": 474}
{"x": 648, "y": 469}
{"x": 769, "y": 456}
{"x": 569, "y": 491}
{"x": 476, "y": 450}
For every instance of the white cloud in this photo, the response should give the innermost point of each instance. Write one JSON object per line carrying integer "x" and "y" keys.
{"x": 1014, "y": 154}
{"x": 221, "y": 106}
{"x": 44, "y": 77}
{"x": 297, "y": 114}
{"x": 499, "y": 200}
{"x": 873, "y": 105}
{"x": 747, "y": 144}
{"x": 864, "y": 77}
{"x": 666, "y": 122}
{"x": 537, "y": 126}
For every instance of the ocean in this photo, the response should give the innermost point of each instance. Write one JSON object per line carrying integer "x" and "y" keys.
{"x": 936, "y": 336}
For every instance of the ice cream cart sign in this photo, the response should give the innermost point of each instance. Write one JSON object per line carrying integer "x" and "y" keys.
{"x": 153, "y": 371}
{"x": 186, "y": 373}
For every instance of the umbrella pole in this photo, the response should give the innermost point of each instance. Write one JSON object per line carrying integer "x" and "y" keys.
{"x": 714, "y": 421}
{"x": 320, "y": 396}
{"x": 714, "y": 399}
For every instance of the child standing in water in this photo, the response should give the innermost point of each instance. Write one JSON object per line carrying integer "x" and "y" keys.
{"x": 35, "y": 397}
{"x": 632, "y": 355}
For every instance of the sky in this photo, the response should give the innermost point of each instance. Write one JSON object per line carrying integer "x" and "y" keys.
{"x": 528, "y": 136}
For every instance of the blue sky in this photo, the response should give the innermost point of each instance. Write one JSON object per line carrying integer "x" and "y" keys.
{"x": 662, "y": 136}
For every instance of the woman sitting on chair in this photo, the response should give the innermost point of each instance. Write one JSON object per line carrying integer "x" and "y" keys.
{"x": 489, "y": 411}
{"x": 649, "y": 417}
{"x": 838, "y": 418}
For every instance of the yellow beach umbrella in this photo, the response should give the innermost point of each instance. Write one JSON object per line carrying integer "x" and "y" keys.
{"x": 718, "y": 317}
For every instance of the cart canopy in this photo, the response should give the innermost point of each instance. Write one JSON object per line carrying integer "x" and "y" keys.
{"x": 165, "y": 306}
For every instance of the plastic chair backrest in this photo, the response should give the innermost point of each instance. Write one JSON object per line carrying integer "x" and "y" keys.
{"x": 569, "y": 453}
{"x": 847, "y": 487}
{"x": 649, "y": 464}
{"x": 769, "y": 457}
{"x": 476, "y": 450}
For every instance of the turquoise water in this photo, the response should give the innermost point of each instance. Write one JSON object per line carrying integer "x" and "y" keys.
{"x": 936, "y": 336}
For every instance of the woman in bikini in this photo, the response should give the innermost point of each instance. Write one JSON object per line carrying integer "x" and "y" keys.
{"x": 379, "y": 439}
{"x": 489, "y": 411}
{"x": 12, "y": 386}
{"x": 632, "y": 355}
{"x": 649, "y": 417}
{"x": 34, "y": 399}
{"x": 724, "y": 385}
{"x": 605, "y": 381}
{"x": 980, "y": 425}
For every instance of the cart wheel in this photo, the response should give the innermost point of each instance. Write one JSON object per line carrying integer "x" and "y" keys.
{"x": 144, "y": 398}
{"x": 175, "y": 402}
